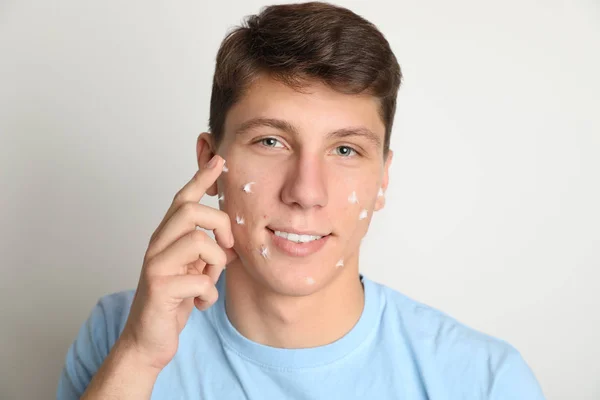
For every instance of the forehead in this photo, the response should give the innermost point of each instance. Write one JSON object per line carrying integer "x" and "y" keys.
{"x": 315, "y": 108}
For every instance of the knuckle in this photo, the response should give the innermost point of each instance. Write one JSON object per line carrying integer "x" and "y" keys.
{"x": 198, "y": 236}
{"x": 150, "y": 263}
{"x": 204, "y": 283}
{"x": 179, "y": 197}
{"x": 188, "y": 208}
{"x": 155, "y": 238}
{"x": 147, "y": 257}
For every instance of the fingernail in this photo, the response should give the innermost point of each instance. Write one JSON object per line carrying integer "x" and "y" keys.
{"x": 211, "y": 163}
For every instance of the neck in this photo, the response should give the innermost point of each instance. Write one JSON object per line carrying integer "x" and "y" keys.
{"x": 293, "y": 322}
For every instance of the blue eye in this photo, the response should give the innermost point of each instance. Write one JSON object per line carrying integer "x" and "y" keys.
{"x": 345, "y": 151}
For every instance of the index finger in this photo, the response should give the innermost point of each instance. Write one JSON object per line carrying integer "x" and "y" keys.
{"x": 195, "y": 189}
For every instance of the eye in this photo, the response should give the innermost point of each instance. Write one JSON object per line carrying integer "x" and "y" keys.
{"x": 270, "y": 142}
{"x": 345, "y": 151}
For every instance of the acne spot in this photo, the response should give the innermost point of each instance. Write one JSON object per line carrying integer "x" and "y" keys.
{"x": 363, "y": 214}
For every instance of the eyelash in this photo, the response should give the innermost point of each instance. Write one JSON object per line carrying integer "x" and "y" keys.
{"x": 261, "y": 141}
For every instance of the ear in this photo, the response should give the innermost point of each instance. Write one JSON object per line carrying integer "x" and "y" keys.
{"x": 380, "y": 201}
{"x": 205, "y": 150}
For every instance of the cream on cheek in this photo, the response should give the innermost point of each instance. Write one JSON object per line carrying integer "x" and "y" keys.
{"x": 356, "y": 211}
{"x": 241, "y": 200}
{"x": 362, "y": 204}
{"x": 239, "y": 197}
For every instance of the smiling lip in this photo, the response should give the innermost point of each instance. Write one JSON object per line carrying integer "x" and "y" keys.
{"x": 290, "y": 230}
{"x": 294, "y": 249}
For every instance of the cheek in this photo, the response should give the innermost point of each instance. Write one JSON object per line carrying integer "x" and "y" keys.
{"x": 242, "y": 197}
{"x": 355, "y": 200}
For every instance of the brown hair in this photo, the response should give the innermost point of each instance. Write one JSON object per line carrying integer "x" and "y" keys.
{"x": 295, "y": 43}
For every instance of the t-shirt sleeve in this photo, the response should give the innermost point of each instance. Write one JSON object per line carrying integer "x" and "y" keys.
{"x": 91, "y": 346}
{"x": 515, "y": 381}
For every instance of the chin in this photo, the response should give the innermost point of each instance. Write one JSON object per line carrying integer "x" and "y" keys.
{"x": 290, "y": 276}
{"x": 287, "y": 282}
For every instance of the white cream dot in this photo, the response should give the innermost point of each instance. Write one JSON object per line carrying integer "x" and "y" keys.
{"x": 363, "y": 214}
{"x": 264, "y": 251}
{"x": 239, "y": 220}
{"x": 247, "y": 187}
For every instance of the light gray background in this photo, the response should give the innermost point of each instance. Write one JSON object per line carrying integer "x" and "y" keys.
{"x": 492, "y": 212}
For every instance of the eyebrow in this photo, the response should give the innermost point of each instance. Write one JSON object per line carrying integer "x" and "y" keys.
{"x": 285, "y": 126}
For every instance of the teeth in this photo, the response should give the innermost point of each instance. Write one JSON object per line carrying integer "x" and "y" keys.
{"x": 294, "y": 237}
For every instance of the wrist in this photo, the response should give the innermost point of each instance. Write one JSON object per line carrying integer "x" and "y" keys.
{"x": 125, "y": 373}
{"x": 128, "y": 353}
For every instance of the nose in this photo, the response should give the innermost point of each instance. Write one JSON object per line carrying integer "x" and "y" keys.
{"x": 305, "y": 185}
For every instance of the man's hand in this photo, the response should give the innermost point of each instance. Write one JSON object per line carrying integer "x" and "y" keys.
{"x": 181, "y": 266}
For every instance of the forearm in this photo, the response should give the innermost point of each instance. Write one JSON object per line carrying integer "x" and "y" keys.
{"x": 122, "y": 376}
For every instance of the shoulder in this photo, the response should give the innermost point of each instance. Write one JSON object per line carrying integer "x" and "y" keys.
{"x": 116, "y": 304}
{"x": 106, "y": 321}
{"x": 93, "y": 342}
{"x": 452, "y": 353}
{"x": 428, "y": 325}
{"x": 111, "y": 312}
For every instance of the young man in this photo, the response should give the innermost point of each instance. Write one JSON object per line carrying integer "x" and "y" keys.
{"x": 302, "y": 108}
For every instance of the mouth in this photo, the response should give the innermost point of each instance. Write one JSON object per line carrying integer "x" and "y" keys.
{"x": 297, "y": 236}
{"x": 297, "y": 243}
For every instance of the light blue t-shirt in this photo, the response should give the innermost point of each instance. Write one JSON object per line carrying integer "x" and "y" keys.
{"x": 399, "y": 349}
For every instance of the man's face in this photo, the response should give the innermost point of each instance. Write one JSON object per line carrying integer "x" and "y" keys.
{"x": 309, "y": 163}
